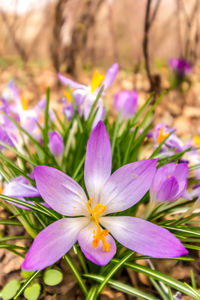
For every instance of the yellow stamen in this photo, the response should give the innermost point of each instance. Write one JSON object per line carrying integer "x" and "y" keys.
{"x": 68, "y": 96}
{"x": 100, "y": 235}
{"x": 1, "y": 189}
{"x": 97, "y": 79}
{"x": 24, "y": 103}
{"x": 196, "y": 141}
{"x": 162, "y": 136}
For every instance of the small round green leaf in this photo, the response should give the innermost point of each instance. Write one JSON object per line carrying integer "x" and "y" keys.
{"x": 32, "y": 292}
{"x": 53, "y": 277}
{"x": 10, "y": 289}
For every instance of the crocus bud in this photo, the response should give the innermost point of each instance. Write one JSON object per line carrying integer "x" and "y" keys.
{"x": 126, "y": 103}
{"x": 56, "y": 145}
{"x": 180, "y": 66}
{"x": 169, "y": 183}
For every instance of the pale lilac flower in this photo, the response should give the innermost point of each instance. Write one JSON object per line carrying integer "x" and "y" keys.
{"x": 180, "y": 66}
{"x": 87, "y": 95}
{"x": 169, "y": 183}
{"x": 56, "y": 145}
{"x": 126, "y": 103}
{"x": 107, "y": 194}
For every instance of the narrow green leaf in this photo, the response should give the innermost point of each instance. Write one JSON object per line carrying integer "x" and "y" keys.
{"x": 168, "y": 280}
{"x": 121, "y": 287}
{"x": 29, "y": 280}
{"x": 76, "y": 273}
{"x": 113, "y": 271}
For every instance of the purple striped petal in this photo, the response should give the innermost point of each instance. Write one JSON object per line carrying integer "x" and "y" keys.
{"x": 110, "y": 76}
{"x": 168, "y": 190}
{"x": 19, "y": 189}
{"x": 96, "y": 255}
{"x": 98, "y": 161}
{"x": 70, "y": 82}
{"x": 52, "y": 243}
{"x": 144, "y": 237}
{"x": 128, "y": 185}
{"x": 60, "y": 191}
{"x": 4, "y": 137}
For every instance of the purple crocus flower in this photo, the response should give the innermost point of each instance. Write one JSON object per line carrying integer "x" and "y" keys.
{"x": 174, "y": 143}
{"x": 169, "y": 183}
{"x": 86, "y": 95}
{"x": 56, "y": 145}
{"x": 180, "y": 66}
{"x": 107, "y": 194}
{"x": 126, "y": 103}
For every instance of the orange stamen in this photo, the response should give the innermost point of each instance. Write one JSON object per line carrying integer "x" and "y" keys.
{"x": 100, "y": 235}
{"x": 162, "y": 136}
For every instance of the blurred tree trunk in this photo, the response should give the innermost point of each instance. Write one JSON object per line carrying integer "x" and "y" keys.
{"x": 80, "y": 33}
{"x": 55, "y": 46}
{"x": 154, "y": 80}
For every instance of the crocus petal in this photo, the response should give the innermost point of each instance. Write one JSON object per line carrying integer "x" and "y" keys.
{"x": 110, "y": 76}
{"x": 60, "y": 191}
{"x": 79, "y": 96}
{"x": 70, "y": 82}
{"x": 98, "y": 161}
{"x": 96, "y": 255}
{"x": 4, "y": 137}
{"x": 52, "y": 243}
{"x": 168, "y": 190}
{"x": 19, "y": 189}
{"x": 181, "y": 173}
{"x": 99, "y": 115}
{"x": 126, "y": 103}
{"x": 128, "y": 185}
{"x": 144, "y": 237}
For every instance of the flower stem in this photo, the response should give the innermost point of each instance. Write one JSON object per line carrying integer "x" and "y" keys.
{"x": 76, "y": 273}
{"x": 113, "y": 271}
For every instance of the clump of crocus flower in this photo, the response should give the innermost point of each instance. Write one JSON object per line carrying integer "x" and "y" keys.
{"x": 180, "y": 66}
{"x": 117, "y": 206}
{"x": 108, "y": 194}
{"x": 125, "y": 102}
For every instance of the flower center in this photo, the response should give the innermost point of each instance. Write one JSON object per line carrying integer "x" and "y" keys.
{"x": 100, "y": 234}
{"x": 161, "y": 136}
{"x": 97, "y": 79}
